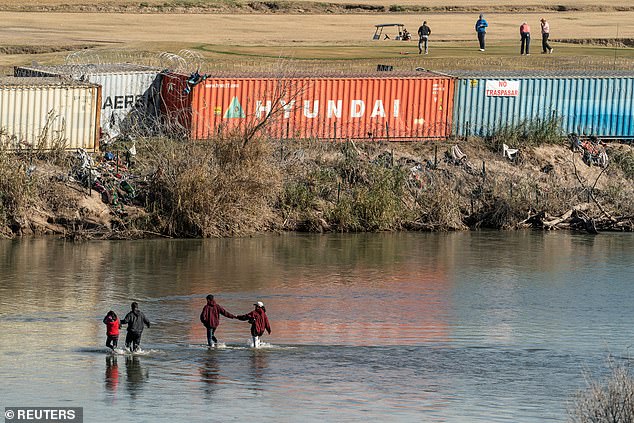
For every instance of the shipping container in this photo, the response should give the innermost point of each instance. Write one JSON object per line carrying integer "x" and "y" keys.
{"x": 47, "y": 112}
{"x": 385, "y": 108}
{"x": 130, "y": 93}
{"x": 599, "y": 103}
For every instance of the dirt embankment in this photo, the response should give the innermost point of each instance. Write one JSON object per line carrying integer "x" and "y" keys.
{"x": 301, "y": 7}
{"x": 604, "y": 42}
{"x": 197, "y": 190}
{"x": 43, "y": 49}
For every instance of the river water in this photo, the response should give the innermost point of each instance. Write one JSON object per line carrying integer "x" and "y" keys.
{"x": 460, "y": 327}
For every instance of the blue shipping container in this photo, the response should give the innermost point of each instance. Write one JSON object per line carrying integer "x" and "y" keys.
{"x": 601, "y": 105}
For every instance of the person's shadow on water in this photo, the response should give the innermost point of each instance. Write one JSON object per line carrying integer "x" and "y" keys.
{"x": 210, "y": 373}
{"x": 111, "y": 377}
{"x": 136, "y": 375}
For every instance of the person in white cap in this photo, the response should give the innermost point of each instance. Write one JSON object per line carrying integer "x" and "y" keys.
{"x": 259, "y": 322}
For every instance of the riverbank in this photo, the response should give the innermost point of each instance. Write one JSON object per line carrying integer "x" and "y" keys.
{"x": 228, "y": 187}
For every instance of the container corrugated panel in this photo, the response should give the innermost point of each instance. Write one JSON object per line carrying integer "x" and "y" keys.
{"x": 589, "y": 104}
{"x": 321, "y": 108}
{"x": 42, "y": 112}
{"x": 176, "y": 104}
{"x": 130, "y": 93}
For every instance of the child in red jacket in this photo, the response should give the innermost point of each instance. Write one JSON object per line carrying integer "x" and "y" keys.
{"x": 112, "y": 329}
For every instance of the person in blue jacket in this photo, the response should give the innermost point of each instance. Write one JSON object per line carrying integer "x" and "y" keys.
{"x": 481, "y": 29}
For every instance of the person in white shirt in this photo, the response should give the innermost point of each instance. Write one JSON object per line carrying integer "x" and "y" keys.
{"x": 546, "y": 48}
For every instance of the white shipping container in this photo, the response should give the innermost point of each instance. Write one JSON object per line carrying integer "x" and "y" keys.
{"x": 47, "y": 112}
{"x": 130, "y": 93}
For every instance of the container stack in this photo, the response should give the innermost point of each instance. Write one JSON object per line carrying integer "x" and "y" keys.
{"x": 130, "y": 93}
{"x": 418, "y": 106}
{"x": 585, "y": 103}
{"x": 49, "y": 113}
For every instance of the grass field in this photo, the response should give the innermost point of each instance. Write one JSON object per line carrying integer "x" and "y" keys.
{"x": 315, "y": 42}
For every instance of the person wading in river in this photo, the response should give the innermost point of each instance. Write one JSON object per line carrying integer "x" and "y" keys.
{"x": 112, "y": 329}
{"x": 135, "y": 320}
{"x": 259, "y": 322}
{"x": 210, "y": 318}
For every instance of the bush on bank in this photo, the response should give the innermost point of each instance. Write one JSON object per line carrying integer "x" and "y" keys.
{"x": 209, "y": 188}
{"x": 16, "y": 192}
{"x": 229, "y": 187}
{"x": 607, "y": 400}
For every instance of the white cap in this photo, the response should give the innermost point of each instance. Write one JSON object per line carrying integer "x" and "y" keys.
{"x": 259, "y": 304}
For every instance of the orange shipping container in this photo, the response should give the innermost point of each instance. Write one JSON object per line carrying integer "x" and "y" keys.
{"x": 324, "y": 108}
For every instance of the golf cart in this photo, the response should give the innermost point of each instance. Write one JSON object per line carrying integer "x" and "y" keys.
{"x": 401, "y": 32}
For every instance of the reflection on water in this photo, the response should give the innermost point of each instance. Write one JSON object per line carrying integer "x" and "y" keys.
{"x": 112, "y": 373}
{"x": 259, "y": 367}
{"x": 209, "y": 373}
{"x": 136, "y": 375}
{"x": 410, "y": 327}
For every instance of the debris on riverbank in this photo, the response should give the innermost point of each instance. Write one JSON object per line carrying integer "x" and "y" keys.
{"x": 225, "y": 188}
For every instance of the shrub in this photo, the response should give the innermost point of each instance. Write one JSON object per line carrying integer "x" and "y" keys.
{"x": 624, "y": 159}
{"x": 16, "y": 189}
{"x": 211, "y": 188}
{"x": 373, "y": 205}
{"x": 528, "y": 133}
{"x": 607, "y": 401}
{"x": 438, "y": 207}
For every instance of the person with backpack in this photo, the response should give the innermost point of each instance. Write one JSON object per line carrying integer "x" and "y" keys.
{"x": 424, "y": 32}
{"x": 481, "y": 29}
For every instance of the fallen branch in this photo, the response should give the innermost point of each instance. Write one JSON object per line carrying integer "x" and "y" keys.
{"x": 591, "y": 190}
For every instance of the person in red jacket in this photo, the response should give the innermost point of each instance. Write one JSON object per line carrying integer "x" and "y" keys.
{"x": 210, "y": 318}
{"x": 112, "y": 329}
{"x": 259, "y": 322}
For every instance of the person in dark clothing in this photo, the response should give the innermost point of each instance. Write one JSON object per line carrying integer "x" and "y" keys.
{"x": 259, "y": 322}
{"x": 424, "y": 32}
{"x": 525, "y": 35}
{"x": 546, "y": 48}
{"x": 135, "y": 320}
{"x": 112, "y": 329}
{"x": 210, "y": 317}
{"x": 481, "y": 29}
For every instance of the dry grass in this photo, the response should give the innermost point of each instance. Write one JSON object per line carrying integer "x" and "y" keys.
{"x": 607, "y": 400}
{"x": 210, "y": 188}
{"x": 16, "y": 191}
{"x": 227, "y": 29}
{"x": 342, "y": 42}
{"x": 484, "y": 5}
